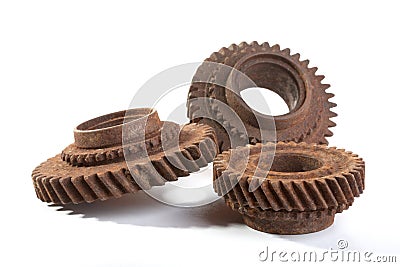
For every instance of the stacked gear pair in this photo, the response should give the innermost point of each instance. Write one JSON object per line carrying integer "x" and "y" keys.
{"x": 304, "y": 183}
{"x": 107, "y": 161}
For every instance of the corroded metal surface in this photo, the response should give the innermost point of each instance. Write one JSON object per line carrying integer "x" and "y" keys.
{"x": 269, "y": 67}
{"x": 96, "y": 168}
{"x": 306, "y": 186}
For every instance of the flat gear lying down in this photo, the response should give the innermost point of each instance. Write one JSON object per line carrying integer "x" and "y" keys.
{"x": 306, "y": 186}
{"x": 94, "y": 167}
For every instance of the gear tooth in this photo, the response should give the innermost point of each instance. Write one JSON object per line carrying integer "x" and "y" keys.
{"x": 332, "y": 114}
{"x": 276, "y": 186}
{"x": 224, "y": 51}
{"x": 308, "y": 203}
{"x": 320, "y": 77}
{"x": 327, "y": 194}
{"x": 262, "y": 199}
{"x": 289, "y": 191}
{"x": 63, "y": 156}
{"x": 243, "y": 44}
{"x": 84, "y": 189}
{"x": 233, "y": 47}
{"x": 331, "y": 123}
{"x": 271, "y": 195}
{"x": 40, "y": 185}
{"x": 189, "y": 162}
{"x": 328, "y": 133}
{"x": 90, "y": 159}
{"x": 146, "y": 176}
{"x": 244, "y": 186}
{"x": 329, "y": 95}
{"x": 337, "y": 192}
{"x": 305, "y": 63}
{"x": 70, "y": 189}
{"x": 276, "y": 48}
{"x": 50, "y": 190}
{"x": 286, "y": 51}
{"x": 325, "y": 86}
{"x": 123, "y": 177}
{"x": 332, "y": 105}
{"x": 59, "y": 190}
{"x": 296, "y": 57}
{"x": 100, "y": 157}
{"x": 197, "y": 155}
{"x": 254, "y": 43}
{"x": 315, "y": 194}
{"x": 266, "y": 45}
{"x": 361, "y": 172}
{"x": 313, "y": 70}
{"x": 99, "y": 189}
{"x": 345, "y": 187}
{"x": 353, "y": 184}
{"x": 208, "y": 148}
{"x": 215, "y": 56}
{"x": 79, "y": 159}
{"x": 359, "y": 180}
{"x": 225, "y": 189}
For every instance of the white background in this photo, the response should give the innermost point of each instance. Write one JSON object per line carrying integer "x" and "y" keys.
{"x": 63, "y": 62}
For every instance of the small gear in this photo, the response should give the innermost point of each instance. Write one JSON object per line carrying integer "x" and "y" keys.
{"x": 270, "y": 67}
{"x": 59, "y": 181}
{"x": 305, "y": 181}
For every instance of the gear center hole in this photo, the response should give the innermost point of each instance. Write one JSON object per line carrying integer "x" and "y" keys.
{"x": 282, "y": 81}
{"x": 294, "y": 163}
{"x": 256, "y": 97}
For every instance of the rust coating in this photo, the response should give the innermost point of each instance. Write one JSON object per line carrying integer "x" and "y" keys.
{"x": 306, "y": 186}
{"x": 269, "y": 67}
{"x": 85, "y": 175}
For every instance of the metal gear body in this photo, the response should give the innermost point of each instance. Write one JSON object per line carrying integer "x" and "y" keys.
{"x": 306, "y": 186}
{"x": 269, "y": 67}
{"x": 87, "y": 170}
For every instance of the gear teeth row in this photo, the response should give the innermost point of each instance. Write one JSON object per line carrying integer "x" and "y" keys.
{"x": 84, "y": 188}
{"x": 89, "y": 159}
{"x": 333, "y": 192}
{"x": 280, "y": 215}
{"x": 115, "y": 183}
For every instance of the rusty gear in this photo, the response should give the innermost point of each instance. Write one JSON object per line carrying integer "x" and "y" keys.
{"x": 59, "y": 181}
{"x": 306, "y": 186}
{"x": 270, "y": 67}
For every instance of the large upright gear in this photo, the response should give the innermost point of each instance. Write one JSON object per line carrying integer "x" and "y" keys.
{"x": 309, "y": 116}
{"x": 306, "y": 186}
{"x": 99, "y": 165}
